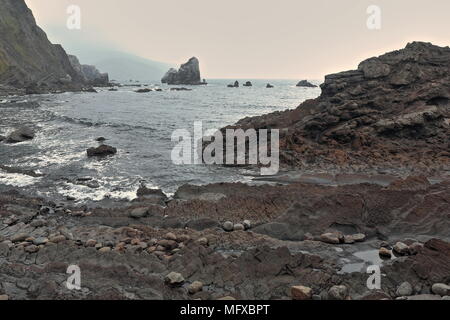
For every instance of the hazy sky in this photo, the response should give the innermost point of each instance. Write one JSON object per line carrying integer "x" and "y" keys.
{"x": 249, "y": 38}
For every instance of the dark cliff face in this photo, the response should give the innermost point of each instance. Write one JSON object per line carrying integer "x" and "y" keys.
{"x": 89, "y": 74}
{"x": 188, "y": 74}
{"x": 27, "y": 58}
{"x": 393, "y": 111}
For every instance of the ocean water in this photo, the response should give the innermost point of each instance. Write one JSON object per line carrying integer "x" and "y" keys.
{"x": 140, "y": 126}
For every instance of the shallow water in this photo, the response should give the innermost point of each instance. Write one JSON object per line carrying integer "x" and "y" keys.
{"x": 139, "y": 125}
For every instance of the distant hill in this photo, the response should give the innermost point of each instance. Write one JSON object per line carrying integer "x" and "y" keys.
{"x": 123, "y": 67}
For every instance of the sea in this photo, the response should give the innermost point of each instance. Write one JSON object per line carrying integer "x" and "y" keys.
{"x": 139, "y": 125}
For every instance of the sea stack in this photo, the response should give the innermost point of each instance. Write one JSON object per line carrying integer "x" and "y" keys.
{"x": 306, "y": 83}
{"x": 188, "y": 74}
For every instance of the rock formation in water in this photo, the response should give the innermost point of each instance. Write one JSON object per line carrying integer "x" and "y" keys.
{"x": 306, "y": 83}
{"x": 188, "y": 74}
{"x": 392, "y": 112}
{"x": 90, "y": 74}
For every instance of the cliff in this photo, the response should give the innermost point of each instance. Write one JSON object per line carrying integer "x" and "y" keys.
{"x": 393, "y": 111}
{"x": 89, "y": 74}
{"x": 27, "y": 58}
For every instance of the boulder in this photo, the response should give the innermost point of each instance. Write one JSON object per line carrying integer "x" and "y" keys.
{"x": 301, "y": 293}
{"x": 139, "y": 213}
{"x": 247, "y": 84}
{"x": 331, "y": 238}
{"x": 101, "y": 151}
{"x": 228, "y": 226}
{"x": 235, "y": 85}
{"x": 145, "y": 90}
{"x": 404, "y": 290}
{"x": 195, "y": 287}
{"x": 174, "y": 279}
{"x": 401, "y": 249}
{"x": 440, "y": 289}
{"x": 238, "y": 227}
{"x": 385, "y": 253}
{"x": 20, "y": 135}
{"x": 202, "y": 224}
{"x": 338, "y": 293}
{"x": 269, "y": 86}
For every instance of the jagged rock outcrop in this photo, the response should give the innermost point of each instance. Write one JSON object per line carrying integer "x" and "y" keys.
{"x": 27, "y": 58}
{"x": 306, "y": 83}
{"x": 188, "y": 74}
{"x": 90, "y": 74}
{"x": 392, "y": 112}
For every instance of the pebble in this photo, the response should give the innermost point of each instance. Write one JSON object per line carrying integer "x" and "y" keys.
{"x": 139, "y": 213}
{"x": 401, "y": 248}
{"x": 247, "y": 224}
{"x": 228, "y": 226}
{"x": 104, "y": 249}
{"x": 174, "y": 279}
{"x": 301, "y": 293}
{"x": 338, "y": 293}
{"x": 441, "y": 289}
{"x": 195, "y": 287}
{"x": 238, "y": 227}
{"x": 19, "y": 237}
{"x": 415, "y": 248}
{"x": 404, "y": 290}
{"x": 384, "y": 252}
{"x": 359, "y": 237}
{"x": 332, "y": 238}
{"x": 203, "y": 241}
{"x": 91, "y": 243}
{"x": 170, "y": 236}
{"x": 39, "y": 241}
{"x": 32, "y": 248}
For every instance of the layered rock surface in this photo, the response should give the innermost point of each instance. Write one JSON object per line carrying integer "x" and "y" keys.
{"x": 393, "y": 111}
{"x": 91, "y": 75}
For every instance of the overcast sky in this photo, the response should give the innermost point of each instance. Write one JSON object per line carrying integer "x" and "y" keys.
{"x": 250, "y": 38}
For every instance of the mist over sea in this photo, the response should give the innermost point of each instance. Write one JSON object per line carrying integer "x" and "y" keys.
{"x": 139, "y": 125}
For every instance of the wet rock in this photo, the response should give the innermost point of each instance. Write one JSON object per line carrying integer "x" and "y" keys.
{"x": 247, "y": 84}
{"x": 247, "y": 224}
{"x": 57, "y": 239}
{"x": 195, "y": 287}
{"x": 104, "y": 249}
{"x": 139, "y": 213}
{"x": 401, "y": 249}
{"x": 20, "y": 135}
{"x": 331, "y": 238}
{"x": 359, "y": 237}
{"x": 101, "y": 151}
{"x": 143, "y": 90}
{"x": 405, "y": 289}
{"x": 168, "y": 244}
{"x": 174, "y": 279}
{"x": 415, "y": 248}
{"x": 269, "y": 86}
{"x": 385, "y": 253}
{"x": 301, "y": 293}
{"x": 338, "y": 293}
{"x": 228, "y": 226}
{"x": 234, "y": 85}
{"x": 238, "y": 227}
{"x": 441, "y": 289}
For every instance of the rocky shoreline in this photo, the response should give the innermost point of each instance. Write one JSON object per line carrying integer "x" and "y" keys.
{"x": 233, "y": 240}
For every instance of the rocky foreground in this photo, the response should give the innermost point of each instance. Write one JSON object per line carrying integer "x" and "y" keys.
{"x": 224, "y": 241}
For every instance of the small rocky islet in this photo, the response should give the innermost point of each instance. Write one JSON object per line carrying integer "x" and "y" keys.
{"x": 381, "y": 133}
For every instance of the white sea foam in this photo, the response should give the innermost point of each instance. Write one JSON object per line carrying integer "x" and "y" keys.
{"x": 17, "y": 179}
